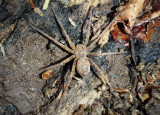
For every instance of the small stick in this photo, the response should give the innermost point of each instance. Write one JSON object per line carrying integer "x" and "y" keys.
{"x": 133, "y": 55}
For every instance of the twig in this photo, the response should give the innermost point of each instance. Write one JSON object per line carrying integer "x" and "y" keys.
{"x": 133, "y": 55}
{"x": 2, "y": 50}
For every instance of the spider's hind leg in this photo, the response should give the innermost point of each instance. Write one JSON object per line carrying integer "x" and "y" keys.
{"x": 101, "y": 74}
{"x": 68, "y": 82}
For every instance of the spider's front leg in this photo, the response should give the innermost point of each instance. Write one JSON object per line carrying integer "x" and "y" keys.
{"x": 54, "y": 40}
{"x": 88, "y": 29}
{"x": 72, "y": 45}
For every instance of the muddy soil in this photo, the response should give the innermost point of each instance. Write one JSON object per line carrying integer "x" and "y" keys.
{"x": 22, "y": 89}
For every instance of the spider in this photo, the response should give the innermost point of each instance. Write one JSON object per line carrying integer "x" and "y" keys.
{"x": 79, "y": 54}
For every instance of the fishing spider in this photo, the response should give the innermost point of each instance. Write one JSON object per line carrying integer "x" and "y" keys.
{"x": 79, "y": 54}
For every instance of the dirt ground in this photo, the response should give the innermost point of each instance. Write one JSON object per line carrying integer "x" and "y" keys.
{"x": 22, "y": 89}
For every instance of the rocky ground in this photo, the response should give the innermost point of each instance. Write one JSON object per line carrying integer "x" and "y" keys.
{"x": 22, "y": 89}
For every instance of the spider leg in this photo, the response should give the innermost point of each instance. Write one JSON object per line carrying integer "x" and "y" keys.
{"x": 93, "y": 43}
{"x": 88, "y": 29}
{"x": 97, "y": 31}
{"x": 97, "y": 39}
{"x": 72, "y": 45}
{"x": 54, "y": 40}
{"x": 101, "y": 74}
{"x": 61, "y": 63}
{"x": 68, "y": 82}
{"x": 101, "y": 54}
{"x": 71, "y": 75}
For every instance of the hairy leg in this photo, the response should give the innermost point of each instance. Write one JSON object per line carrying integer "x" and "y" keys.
{"x": 61, "y": 63}
{"x": 88, "y": 29}
{"x": 93, "y": 43}
{"x": 71, "y": 75}
{"x": 101, "y": 54}
{"x": 54, "y": 40}
{"x": 68, "y": 82}
{"x": 72, "y": 45}
{"x": 97, "y": 32}
{"x": 100, "y": 72}
{"x": 97, "y": 39}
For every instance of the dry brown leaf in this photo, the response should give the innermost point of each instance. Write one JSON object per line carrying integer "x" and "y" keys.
{"x": 47, "y": 74}
{"x": 145, "y": 31}
{"x": 124, "y": 27}
{"x": 142, "y": 32}
{"x": 127, "y": 17}
{"x": 129, "y": 13}
{"x": 118, "y": 35}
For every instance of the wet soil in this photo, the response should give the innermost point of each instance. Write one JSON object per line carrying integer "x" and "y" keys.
{"x": 23, "y": 91}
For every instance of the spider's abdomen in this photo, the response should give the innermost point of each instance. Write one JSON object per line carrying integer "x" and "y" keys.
{"x": 83, "y": 66}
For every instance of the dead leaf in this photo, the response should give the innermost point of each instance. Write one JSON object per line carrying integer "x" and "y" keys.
{"x": 47, "y": 74}
{"x": 129, "y": 14}
{"x": 128, "y": 25}
{"x": 145, "y": 31}
{"x": 119, "y": 36}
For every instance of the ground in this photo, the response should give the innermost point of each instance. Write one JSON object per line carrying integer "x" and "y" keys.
{"x": 22, "y": 89}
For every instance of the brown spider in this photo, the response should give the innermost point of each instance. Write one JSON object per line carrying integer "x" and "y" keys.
{"x": 79, "y": 53}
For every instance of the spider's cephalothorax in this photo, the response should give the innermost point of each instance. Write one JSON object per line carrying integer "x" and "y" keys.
{"x": 79, "y": 54}
{"x": 80, "y": 51}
